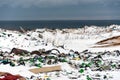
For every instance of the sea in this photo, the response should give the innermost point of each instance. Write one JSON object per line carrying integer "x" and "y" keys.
{"x": 55, "y": 24}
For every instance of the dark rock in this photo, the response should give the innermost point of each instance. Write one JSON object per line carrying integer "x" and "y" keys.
{"x": 36, "y": 52}
{"x": 19, "y": 51}
{"x": 62, "y": 55}
{"x": 49, "y": 62}
{"x": 85, "y": 51}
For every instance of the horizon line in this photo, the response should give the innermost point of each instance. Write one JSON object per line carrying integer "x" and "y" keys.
{"x": 66, "y": 20}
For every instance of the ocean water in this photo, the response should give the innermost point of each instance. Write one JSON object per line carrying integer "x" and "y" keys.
{"x": 54, "y": 24}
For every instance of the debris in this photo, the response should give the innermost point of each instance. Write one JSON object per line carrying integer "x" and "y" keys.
{"x": 88, "y": 78}
{"x": 81, "y": 70}
{"x": 19, "y": 51}
{"x": 8, "y": 76}
{"x": 46, "y": 69}
{"x": 36, "y": 52}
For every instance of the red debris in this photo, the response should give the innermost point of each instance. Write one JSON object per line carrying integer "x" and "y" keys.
{"x": 8, "y": 76}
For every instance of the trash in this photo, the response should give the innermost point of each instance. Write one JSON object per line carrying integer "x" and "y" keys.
{"x": 45, "y": 69}
{"x": 81, "y": 70}
{"x": 38, "y": 65}
{"x": 12, "y": 64}
{"x": 18, "y": 51}
{"x": 48, "y": 79}
{"x": 4, "y": 33}
{"x": 8, "y": 76}
{"x": 88, "y": 78}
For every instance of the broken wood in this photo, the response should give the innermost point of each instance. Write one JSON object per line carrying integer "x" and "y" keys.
{"x": 109, "y": 42}
{"x": 115, "y": 39}
{"x": 46, "y": 69}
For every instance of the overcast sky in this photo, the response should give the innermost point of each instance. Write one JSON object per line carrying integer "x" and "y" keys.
{"x": 59, "y": 9}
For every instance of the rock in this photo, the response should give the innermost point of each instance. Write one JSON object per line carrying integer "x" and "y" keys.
{"x": 36, "y": 52}
{"x": 19, "y": 51}
{"x": 62, "y": 55}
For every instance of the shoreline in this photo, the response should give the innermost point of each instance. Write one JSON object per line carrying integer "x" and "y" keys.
{"x": 71, "y": 49}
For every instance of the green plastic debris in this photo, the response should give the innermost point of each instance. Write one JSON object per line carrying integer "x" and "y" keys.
{"x": 48, "y": 79}
{"x": 5, "y": 61}
{"x": 113, "y": 65}
{"x": 89, "y": 64}
{"x": 19, "y": 35}
{"x": 105, "y": 77}
{"x": 63, "y": 60}
{"x": 31, "y": 60}
{"x": 88, "y": 78}
{"x": 38, "y": 65}
{"x": 40, "y": 59}
{"x": 21, "y": 58}
{"x": 81, "y": 70}
{"x": 83, "y": 64}
{"x": 4, "y": 33}
{"x": 12, "y": 64}
{"x": 99, "y": 62}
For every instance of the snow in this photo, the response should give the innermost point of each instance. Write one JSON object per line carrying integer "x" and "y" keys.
{"x": 73, "y": 39}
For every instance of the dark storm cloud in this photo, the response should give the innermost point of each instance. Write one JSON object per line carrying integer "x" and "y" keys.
{"x": 46, "y": 3}
{"x": 59, "y": 9}
{"x": 58, "y": 3}
{"x": 38, "y": 3}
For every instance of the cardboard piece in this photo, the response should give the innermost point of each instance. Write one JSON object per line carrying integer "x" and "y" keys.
{"x": 45, "y": 69}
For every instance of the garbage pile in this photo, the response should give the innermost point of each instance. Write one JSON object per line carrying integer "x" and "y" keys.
{"x": 59, "y": 54}
{"x": 83, "y": 63}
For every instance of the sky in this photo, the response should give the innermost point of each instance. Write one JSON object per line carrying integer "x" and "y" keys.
{"x": 59, "y": 9}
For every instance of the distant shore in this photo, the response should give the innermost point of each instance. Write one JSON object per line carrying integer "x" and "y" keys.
{"x": 56, "y": 24}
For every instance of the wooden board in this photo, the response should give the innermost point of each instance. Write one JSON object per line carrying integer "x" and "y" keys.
{"x": 109, "y": 42}
{"x": 45, "y": 69}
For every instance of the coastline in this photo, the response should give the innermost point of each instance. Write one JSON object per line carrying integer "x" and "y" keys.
{"x": 67, "y": 41}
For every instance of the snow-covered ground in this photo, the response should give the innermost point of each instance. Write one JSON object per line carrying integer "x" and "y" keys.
{"x": 70, "y": 39}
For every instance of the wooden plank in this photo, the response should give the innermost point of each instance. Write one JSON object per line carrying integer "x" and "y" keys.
{"x": 45, "y": 69}
{"x": 109, "y": 42}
